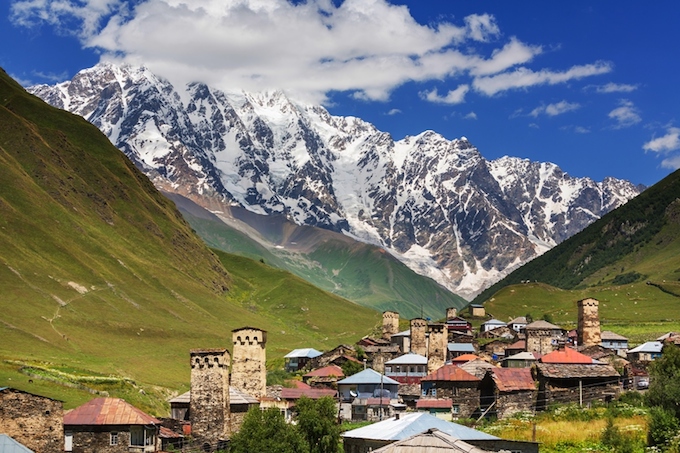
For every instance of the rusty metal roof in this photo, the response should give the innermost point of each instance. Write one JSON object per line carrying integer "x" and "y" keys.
{"x": 513, "y": 379}
{"x": 293, "y": 394}
{"x": 327, "y": 371}
{"x": 452, "y": 373}
{"x": 575, "y": 370}
{"x": 108, "y": 411}
{"x": 434, "y": 403}
{"x": 465, "y": 358}
{"x": 566, "y": 355}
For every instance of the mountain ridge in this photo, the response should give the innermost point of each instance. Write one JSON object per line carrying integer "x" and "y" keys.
{"x": 435, "y": 204}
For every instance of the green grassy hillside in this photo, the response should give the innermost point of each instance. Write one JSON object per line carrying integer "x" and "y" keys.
{"x": 359, "y": 272}
{"x": 629, "y": 260}
{"x": 101, "y": 275}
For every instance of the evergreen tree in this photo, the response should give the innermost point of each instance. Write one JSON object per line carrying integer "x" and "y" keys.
{"x": 317, "y": 421}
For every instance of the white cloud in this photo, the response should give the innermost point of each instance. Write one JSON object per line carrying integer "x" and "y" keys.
{"x": 668, "y": 143}
{"x": 615, "y": 88}
{"x": 625, "y": 115}
{"x": 394, "y": 112}
{"x": 364, "y": 47}
{"x": 471, "y": 116}
{"x": 525, "y": 78}
{"x": 581, "y": 130}
{"x": 456, "y": 96}
{"x": 555, "y": 109}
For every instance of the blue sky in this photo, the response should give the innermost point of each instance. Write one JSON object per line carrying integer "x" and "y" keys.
{"x": 590, "y": 86}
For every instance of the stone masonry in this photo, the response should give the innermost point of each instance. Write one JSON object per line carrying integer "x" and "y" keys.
{"x": 32, "y": 420}
{"x": 437, "y": 347}
{"x": 248, "y": 366}
{"x": 418, "y": 336}
{"x": 588, "y": 332}
{"x": 451, "y": 313}
{"x": 209, "y": 409}
{"x": 390, "y": 324}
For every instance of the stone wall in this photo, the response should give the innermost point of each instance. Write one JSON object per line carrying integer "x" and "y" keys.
{"x": 465, "y": 396}
{"x": 588, "y": 331}
{"x": 390, "y": 324}
{"x": 418, "y": 336}
{"x": 509, "y": 404}
{"x": 209, "y": 410}
{"x": 437, "y": 347}
{"x": 34, "y": 421}
{"x": 248, "y": 366}
{"x": 98, "y": 439}
{"x": 569, "y": 392}
{"x": 542, "y": 341}
{"x": 451, "y": 313}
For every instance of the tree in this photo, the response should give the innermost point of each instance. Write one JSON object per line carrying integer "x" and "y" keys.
{"x": 267, "y": 431}
{"x": 317, "y": 420}
{"x": 350, "y": 368}
{"x": 664, "y": 396}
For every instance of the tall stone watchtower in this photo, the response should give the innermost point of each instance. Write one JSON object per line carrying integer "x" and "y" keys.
{"x": 249, "y": 356}
{"x": 390, "y": 324}
{"x": 437, "y": 347}
{"x": 418, "y": 336}
{"x": 588, "y": 332}
{"x": 209, "y": 406}
{"x": 451, "y": 313}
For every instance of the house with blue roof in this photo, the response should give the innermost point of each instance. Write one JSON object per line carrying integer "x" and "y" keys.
{"x": 296, "y": 359}
{"x": 646, "y": 352}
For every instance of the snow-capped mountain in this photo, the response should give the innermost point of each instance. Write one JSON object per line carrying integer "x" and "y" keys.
{"x": 434, "y": 203}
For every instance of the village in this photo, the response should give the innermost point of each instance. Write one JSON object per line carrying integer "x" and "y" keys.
{"x": 413, "y": 385}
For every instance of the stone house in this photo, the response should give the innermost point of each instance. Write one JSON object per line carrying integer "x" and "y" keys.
{"x": 434, "y": 405}
{"x": 403, "y": 340}
{"x": 34, "y": 421}
{"x": 507, "y": 391}
{"x": 516, "y": 347}
{"x": 452, "y": 382}
{"x": 407, "y": 369}
{"x": 297, "y": 359}
{"x": 518, "y": 324}
{"x": 575, "y": 383}
{"x": 477, "y": 311}
{"x": 543, "y": 337}
{"x": 110, "y": 425}
{"x": 327, "y": 376}
{"x": 520, "y": 360}
{"x": 336, "y": 356}
{"x": 491, "y": 324}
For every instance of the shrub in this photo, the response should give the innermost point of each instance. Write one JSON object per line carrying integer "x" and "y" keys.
{"x": 663, "y": 426}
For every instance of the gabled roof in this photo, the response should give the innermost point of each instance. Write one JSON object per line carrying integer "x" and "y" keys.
{"x": 9, "y": 445}
{"x": 294, "y": 383}
{"x": 541, "y": 324}
{"x": 430, "y": 441}
{"x": 451, "y": 373}
{"x": 519, "y": 344}
{"x": 566, "y": 355}
{"x": 108, "y": 411}
{"x": 327, "y": 371}
{"x": 494, "y": 322}
{"x": 403, "y": 333}
{"x": 519, "y": 320}
{"x": 477, "y": 367}
{"x": 434, "y": 403}
{"x": 461, "y": 347}
{"x": 409, "y": 424}
{"x": 576, "y": 370}
{"x": 611, "y": 336}
{"x": 465, "y": 358}
{"x": 367, "y": 376}
{"x": 293, "y": 394}
{"x": 522, "y": 356}
{"x": 513, "y": 379}
{"x": 308, "y": 353}
{"x": 236, "y": 396}
{"x": 408, "y": 359}
{"x": 650, "y": 346}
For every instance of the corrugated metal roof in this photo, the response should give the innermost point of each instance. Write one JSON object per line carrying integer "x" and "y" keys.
{"x": 293, "y": 394}
{"x": 566, "y": 355}
{"x": 108, "y": 411}
{"x": 298, "y": 384}
{"x": 408, "y": 359}
{"x": 9, "y": 445}
{"x": 434, "y": 403}
{"x": 407, "y": 425}
{"x": 513, "y": 379}
{"x": 236, "y": 396}
{"x": 572, "y": 370}
{"x": 451, "y": 373}
{"x": 465, "y": 358}
{"x": 403, "y": 333}
{"x": 367, "y": 376}
{"x": 309, "y": 353}
{"x": 650, "y": 346}
{"x": 430, "y": 441}
{"x": 494, "y": 322}
{"x": 330, "y": 370}
{"x": 461, "y": 347}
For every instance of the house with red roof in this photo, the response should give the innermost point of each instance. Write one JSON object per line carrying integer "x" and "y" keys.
{"x": 507, "y": 391}
{"x": 327, "y": 376}
{"x": 453, "y": 382}
{"x": 110, "y": 425}
{"x": 566, "y": 355}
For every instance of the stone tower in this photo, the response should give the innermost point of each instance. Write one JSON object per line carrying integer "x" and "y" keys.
{"x": 588, "y": 332}
{"x": 390, "y": 324}
{"x": 451, "y": 313}
{"x": 418, "y": 336}
{"x": 437, "y": 347}
{"x": 209, "y": 406}
{"x": 248, "y": 365}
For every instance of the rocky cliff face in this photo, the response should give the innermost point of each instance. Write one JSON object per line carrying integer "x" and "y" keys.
{"x": 434, "y": 203}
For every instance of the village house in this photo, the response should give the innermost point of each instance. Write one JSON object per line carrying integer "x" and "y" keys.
{"x": 430, "y": 440}
{"x": 495, "y": 348}
{"x": 501, "y": 333}
{"x": 614, "y": 341}
{"x": 407, "y": 369}
{"x": 543, "y": 337}
{"x": 435, "y": 406}
{"x": 452, "y": 382}
{"x": 327, "y": 376}
{"x": 110, "y": 425}
{"x": 518, "y": 324}
{"x": 575, "y": 383}
{"x": 458, "y": 349}
{"x": 336, "y": 356}
{"x": 520, "y": 360}
{"x": 403, "y": 340}
{"x": 646, "y": 352}
{"x": 367, "y": 384}
{"x": 296, "y": 359}
{"x": 477, "y": 311}
{"x": 34, "y": 421}
{"x": 377, "y": 435}
{"x": 516, "y": 347}
{"x": 491, "y": 325}
{"x": 507, "y": 391}
{"x": 476, "y": 367}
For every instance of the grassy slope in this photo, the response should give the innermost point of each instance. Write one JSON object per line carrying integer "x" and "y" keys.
{"x": 99, "y": 272}
{"x": 640, "y": 240}
{"x": 359, "y": 272}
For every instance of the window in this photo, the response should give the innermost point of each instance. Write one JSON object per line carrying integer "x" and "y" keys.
{"x": 388, "y": 369}
{"x": 113, "y": 438}
{"x": 455, "y": 409}
{"x": 136, "y": 436}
